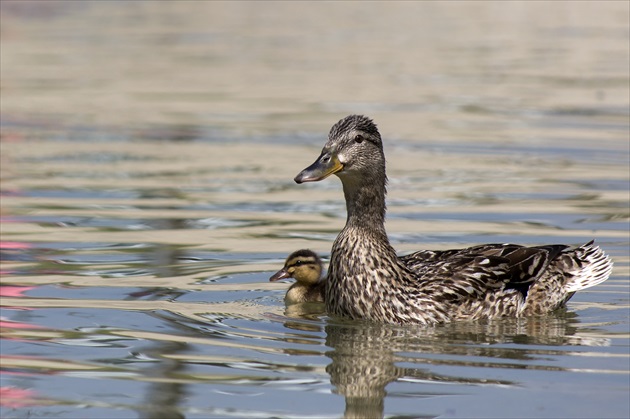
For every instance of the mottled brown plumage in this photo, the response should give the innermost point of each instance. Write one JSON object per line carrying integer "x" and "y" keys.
{"x": 367, "y": 280}
{"x": 306, "y": 268}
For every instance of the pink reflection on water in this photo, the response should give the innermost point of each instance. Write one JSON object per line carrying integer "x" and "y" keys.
{"x": 10, "y": 324}
{"x": 14, "y": 291}
{"x": 14, "y": 397}
{"x": 7, "y": 245}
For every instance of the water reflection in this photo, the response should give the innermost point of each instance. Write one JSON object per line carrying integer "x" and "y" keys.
{"x": 368, "y": 357}
{"x": 165, "y": 394}
{"x": 148, "y": 151}
{"x": 222, "y": 347}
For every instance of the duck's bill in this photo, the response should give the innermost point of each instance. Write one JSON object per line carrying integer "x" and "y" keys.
{"x": 326, "y": 165}
{"x": 281, "y": 274}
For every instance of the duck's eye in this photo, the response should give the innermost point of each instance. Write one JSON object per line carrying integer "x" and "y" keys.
{"x": 358, "y": 139}
{"x": 298, "y": 263}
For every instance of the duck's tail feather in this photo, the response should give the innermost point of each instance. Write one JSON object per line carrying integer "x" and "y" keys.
{"x": 589, "y": 266}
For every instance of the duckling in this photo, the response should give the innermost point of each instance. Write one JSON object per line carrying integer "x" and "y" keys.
{"x": 367, "y": 280}
{"x": 306, "y": 267}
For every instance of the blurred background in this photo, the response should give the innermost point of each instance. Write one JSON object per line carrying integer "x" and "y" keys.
{"x": 250, "y": 68}
{"x": 148, "y": 151}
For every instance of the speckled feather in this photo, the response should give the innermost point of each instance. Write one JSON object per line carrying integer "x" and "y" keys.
{"x": 367, "y": 280}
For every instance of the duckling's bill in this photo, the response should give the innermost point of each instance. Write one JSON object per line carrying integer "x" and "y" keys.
{"x": 327, "y": 164}
{"x": 281, "y": 274}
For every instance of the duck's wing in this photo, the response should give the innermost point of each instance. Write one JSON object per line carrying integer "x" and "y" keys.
{"x": 514, "y": 252}
{"x": 475, "y": 271}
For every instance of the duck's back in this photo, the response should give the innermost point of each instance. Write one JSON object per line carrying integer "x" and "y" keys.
{"x": 496, "y": 279}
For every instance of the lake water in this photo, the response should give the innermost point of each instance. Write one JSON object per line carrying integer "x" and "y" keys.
{"x": 148, "y": 151}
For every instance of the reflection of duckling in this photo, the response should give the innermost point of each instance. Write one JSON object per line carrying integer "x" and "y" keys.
{"x": 306, "y": 267}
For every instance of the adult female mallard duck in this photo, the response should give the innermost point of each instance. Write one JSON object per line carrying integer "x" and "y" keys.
{"x": 306, "y": 267}
{"x": 367, "y": 280}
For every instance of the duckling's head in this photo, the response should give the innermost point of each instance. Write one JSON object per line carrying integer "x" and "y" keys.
{"x": 303, "y": 265}
{"x": 354, "y": 151}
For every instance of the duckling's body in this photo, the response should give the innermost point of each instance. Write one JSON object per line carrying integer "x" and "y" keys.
{"x": 367, "y": 280}
{"x": 306, "y": 267}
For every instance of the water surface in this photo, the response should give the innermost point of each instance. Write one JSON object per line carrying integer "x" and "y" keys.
{"x": 148, "y": 152}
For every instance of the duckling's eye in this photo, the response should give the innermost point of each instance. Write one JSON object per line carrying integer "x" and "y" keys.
{"x": 358, "y": 139}
{"x": 298, "y": 263}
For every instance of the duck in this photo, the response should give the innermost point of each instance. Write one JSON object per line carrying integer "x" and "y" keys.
{"x": 306, "y": 267}
{"x": 367, "y": 280}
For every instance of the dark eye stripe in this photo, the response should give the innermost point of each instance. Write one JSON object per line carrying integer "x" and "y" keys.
{"x": 300, "y": 262}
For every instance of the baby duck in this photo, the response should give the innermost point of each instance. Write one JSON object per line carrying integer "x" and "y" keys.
{"x": 306, "y": 267}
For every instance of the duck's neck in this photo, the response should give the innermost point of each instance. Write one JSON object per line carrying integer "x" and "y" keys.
{"x": 364, "y": 268}
{"x": 365, "y": 203}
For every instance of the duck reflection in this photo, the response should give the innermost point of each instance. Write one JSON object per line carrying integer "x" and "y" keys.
{"x": 164, "y": 396}
{"x": 362, "y": 365}
{"x": 367, "y": 357}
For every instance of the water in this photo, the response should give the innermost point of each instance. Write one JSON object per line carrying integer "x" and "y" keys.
{"x": 148, "y": 152}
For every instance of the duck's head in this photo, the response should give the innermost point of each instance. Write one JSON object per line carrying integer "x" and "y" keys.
{"x": 354, "y": 150}
{"x": 303, "y": 265}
